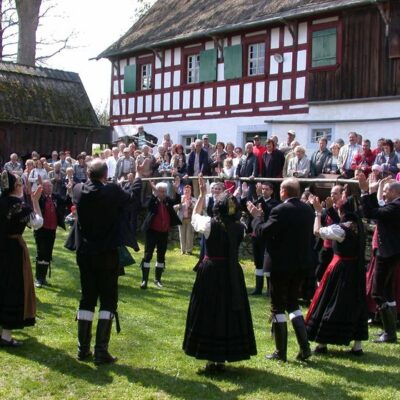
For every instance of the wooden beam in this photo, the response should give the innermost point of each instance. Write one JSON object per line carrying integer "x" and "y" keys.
{"x": 293, "y": 29}
{"x": 385, "y": 14}
{"x": 159, "y": 55}
{"x": 219, "y": 44}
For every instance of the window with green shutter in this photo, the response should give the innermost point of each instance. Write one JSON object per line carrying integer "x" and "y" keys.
{"x": 324, "y": 48}
{"x": 233, "y": 62}
{"x": 208, "y": 65}
{"x": 130, "y": 79}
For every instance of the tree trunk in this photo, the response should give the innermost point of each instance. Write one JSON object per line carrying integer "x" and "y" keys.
{"x": 28, "y": 20}
{"x": 1, "y": 30}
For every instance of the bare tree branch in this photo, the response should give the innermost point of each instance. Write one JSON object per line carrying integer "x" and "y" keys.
{"x": 64, "y": 46}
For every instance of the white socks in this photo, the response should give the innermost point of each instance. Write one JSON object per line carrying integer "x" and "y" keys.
{"x": 6, "y": 335}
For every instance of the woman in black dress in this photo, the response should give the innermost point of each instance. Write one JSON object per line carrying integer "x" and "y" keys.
{"x": 219, "y": 326}
{"x": 17, "y": 294}
{"x": 338, "y": 312}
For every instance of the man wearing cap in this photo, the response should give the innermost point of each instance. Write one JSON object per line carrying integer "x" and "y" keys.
{"x": 258, "y": 150}
{"x": 285, "y": 146}
{"x": 207, "y": 146}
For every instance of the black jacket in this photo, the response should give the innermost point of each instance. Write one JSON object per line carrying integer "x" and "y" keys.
{"x": 388, "y": 221}
{"x": 100, "y": 209}
{"x": 152, "y": 210}
{"x": 60, "y": 206}
{"x": 248, "y": 166}
{"x": 273, "y": 164}
{"x": 289, "y": 236}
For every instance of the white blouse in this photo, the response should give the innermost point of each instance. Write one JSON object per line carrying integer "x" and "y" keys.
{"x": 35, "y": 221}
{"x": 332, "y": 232}
{"x": 202, "y": 224}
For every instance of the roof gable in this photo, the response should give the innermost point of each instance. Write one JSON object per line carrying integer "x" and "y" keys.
{"x": 176, "y": 20}
{"x": 44, "y": 96}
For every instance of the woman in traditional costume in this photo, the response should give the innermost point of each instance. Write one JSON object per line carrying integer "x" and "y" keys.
{"x": 17, "y": 293}
{"x": 219, "y": 326}
{"x": 338, "y": 311}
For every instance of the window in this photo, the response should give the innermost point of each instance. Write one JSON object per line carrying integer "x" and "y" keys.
{"x": 193, "y": 68}
{"x": 256, "y": 59}
{"x": 145, "y": 76}
{"x": 324, "y": 47}
{"x": 187, "y": 143}
{"x": 317, "y": 134}
{"x": 249, "y": 136}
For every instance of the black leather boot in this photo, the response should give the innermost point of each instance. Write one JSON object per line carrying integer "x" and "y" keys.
{"x": 145, "y": 276}
{"x": 302, "y": 339}
{"x": 268, "y": 292}
{"x": 259, "y": 286}
{"x": 103, "y": 332}
{"x": 41, "y": 272}
{"x": 280, "y": 335}
{"x": 389, "y": 326}
{"x": 158, "y": 274}
{"x": 84, "y": 338}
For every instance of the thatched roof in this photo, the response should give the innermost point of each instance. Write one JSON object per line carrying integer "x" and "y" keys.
{"x": 173, "y": 21}
{"x": 34, "y": 95}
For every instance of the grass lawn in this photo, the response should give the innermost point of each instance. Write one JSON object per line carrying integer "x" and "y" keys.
{"x": 151, "y": 363}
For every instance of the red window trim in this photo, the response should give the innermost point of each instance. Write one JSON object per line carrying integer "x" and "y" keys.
{"x": 246, "y": 42}
{"x": 339, "y": 45}
{"x": 185, "y": 53}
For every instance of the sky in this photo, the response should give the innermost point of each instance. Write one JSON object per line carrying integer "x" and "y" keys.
{"x": 96, "y": 25}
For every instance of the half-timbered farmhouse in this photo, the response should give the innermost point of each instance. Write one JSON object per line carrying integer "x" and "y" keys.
{"x": 234, "y": 68}
{"x": 44, "y": 109}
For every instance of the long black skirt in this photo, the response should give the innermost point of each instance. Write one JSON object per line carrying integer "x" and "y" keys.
{"x": 338, "y": 312}
{"x": 12, "y": 288}
{"x": 215, "y": 329}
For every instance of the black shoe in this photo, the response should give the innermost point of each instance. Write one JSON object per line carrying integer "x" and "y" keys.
{"x": 158, "y": 284}
{"x": 276, "y": 356}
{"x": 143, "y": 285}
{"x": 357, "y": 353}
{"x": 259, "y": 286}
{"x": 38, "y": 284}
{"x": 386, "y": 338}
{"x": 321, "y": 350}
{"x": 303, "y": 355}
{"x": 9, "y": 343}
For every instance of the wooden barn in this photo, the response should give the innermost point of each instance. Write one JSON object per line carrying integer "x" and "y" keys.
{"x": 236, "y": 68}
{"x": 44, "y": 109}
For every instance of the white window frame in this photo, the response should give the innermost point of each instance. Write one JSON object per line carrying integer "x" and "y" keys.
{"x": 319, "y": 133}
{"x": 187, "y": 141}
{"x": 193, "y": 68}
{"x": 146, "y": 76}
{"x": 256, "y": 59}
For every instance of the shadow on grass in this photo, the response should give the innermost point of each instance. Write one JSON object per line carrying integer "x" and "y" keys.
{"x": 359, "y": 374}
{"x": 246, "y": 381}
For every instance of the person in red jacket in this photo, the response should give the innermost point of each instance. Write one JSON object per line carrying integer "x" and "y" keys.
{"x": 363, "y": 161}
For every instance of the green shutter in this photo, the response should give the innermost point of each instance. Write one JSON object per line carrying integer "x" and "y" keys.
{"x": 324, "y": 47}
{"x": 233, "y": 62}
{"x": 208, "y": 65}
{"x": 130, "y": 79}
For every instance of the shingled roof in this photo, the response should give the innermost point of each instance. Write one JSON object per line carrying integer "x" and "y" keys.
{"x": 45, "y": 96}
{"x": 173, "y": 21}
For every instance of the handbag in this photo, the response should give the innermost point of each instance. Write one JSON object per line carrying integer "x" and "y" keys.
{"x": 124, "y": 257}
